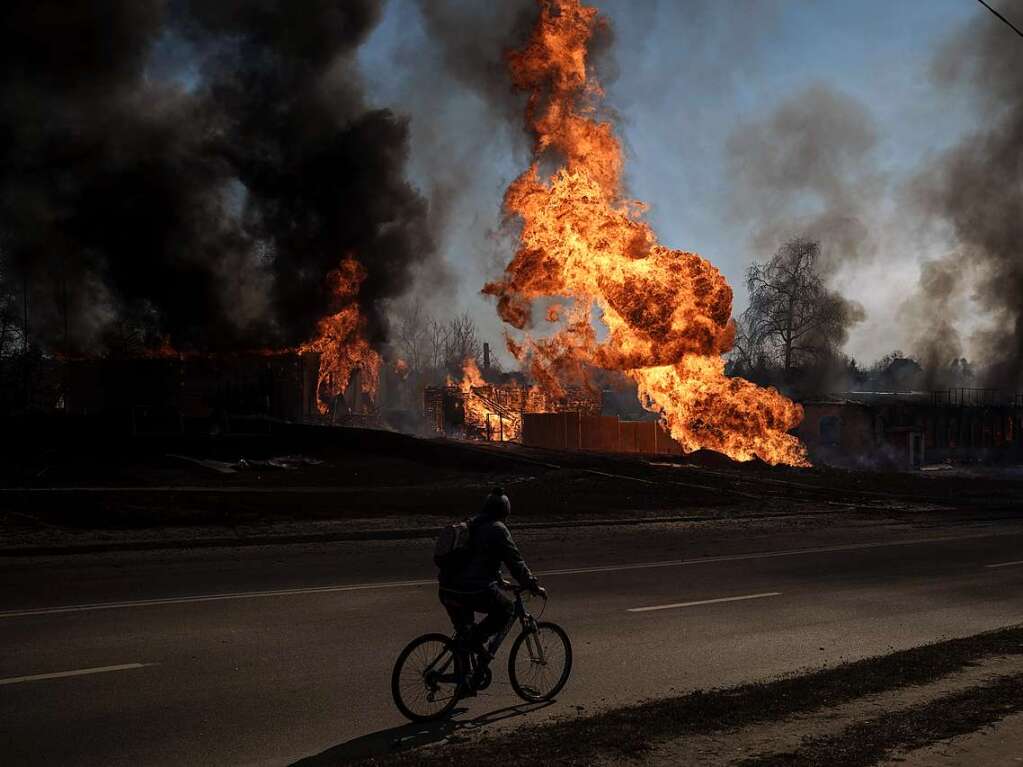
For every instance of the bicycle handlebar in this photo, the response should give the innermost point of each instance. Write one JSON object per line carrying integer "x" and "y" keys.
{"x": 540, "y": 591}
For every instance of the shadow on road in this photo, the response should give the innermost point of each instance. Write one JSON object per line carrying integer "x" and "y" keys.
{"x": 413, "y": 735}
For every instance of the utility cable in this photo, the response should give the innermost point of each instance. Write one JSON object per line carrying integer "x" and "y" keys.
{"x": 1011, "y": 26}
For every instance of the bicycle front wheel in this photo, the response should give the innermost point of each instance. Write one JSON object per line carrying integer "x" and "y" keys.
{"x": 540, "y": 662}
{"x": 427, "y": 679}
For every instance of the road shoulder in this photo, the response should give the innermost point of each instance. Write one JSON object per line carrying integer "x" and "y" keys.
{"x": 854, "y": 714}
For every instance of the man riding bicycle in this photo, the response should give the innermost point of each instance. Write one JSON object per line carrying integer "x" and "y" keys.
{"x": 474, "y": 584}
{"x": 435, "y": 670}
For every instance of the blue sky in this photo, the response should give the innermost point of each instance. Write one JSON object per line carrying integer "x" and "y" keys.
{"x": 687, "y": 75}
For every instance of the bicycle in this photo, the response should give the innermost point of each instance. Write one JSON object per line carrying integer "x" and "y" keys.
{"x": 435, "y": 671}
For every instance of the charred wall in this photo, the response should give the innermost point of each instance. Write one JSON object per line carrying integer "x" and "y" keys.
{"x": 609, "y": 434}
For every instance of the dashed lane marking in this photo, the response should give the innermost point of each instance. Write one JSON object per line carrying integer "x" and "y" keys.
{"x": 719, "y": 600}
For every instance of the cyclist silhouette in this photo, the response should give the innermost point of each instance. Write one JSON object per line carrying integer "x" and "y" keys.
{"x": 474, "y": 585}
{"x": 435, "y": 670}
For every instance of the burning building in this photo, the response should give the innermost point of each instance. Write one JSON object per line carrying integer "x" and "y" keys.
{"x": 514, "y": 411}
{"x": 177, "y": 393}
{"x": 212, "y": 179}
{"x": 477, "y": 409}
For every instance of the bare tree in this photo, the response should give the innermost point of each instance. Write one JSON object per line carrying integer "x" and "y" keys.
{"x": 433, "y": 346}
{"x": 463, "y": 341}
{"x": 791, "y": 314}
{"x": 436, "y": 343}
{"x": 746, "y": 353}
{"x": 412, "y": 336}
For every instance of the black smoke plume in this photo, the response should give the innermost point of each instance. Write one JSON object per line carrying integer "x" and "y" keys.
{"x": 476, "y": 59}
{"x": 195, "y": 169}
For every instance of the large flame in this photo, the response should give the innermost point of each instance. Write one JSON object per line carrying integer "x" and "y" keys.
{"x": 667, "y": 313}
{"x": 341, "y": 341}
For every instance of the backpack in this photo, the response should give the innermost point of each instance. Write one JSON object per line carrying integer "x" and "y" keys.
{"x": 452, "y": 547}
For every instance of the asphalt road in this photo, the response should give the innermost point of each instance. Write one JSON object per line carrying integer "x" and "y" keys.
{"x": 278, "y": 654}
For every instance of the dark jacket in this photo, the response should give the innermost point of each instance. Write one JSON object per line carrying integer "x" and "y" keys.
{"x": 491, "y": 546}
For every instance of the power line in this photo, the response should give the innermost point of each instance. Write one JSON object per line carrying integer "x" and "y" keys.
{"x": 1011, "y": 26}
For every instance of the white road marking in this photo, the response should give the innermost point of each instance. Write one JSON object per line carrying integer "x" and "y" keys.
{"x": 1006, "y": 564}
{"x": 704, "y": 602}
{"x": 432, "y": 581}
{"x": 210, "y": 598}
{"x": 76, "y": 672}
{"x": 766, "y": 554}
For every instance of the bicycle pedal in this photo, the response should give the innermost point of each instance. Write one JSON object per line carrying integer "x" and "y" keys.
{"x": 484, "y": 676}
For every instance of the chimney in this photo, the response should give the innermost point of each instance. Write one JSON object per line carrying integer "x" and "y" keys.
{"x": 355, "y": 387}
{"x": 486, "y": 356}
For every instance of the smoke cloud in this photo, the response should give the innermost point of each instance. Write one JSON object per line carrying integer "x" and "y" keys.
{"x": 932, "y": 313}
{"x": 466, "y": 108}
{"x": 807, "y": 170}
{"x": 975, "y": 191}
{"x": 473, "y": 38}
{"x": 195, "y": 169}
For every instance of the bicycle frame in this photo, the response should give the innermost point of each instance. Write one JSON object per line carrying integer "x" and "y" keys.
{"x": 441, "y": 676}
{"x": 458, "y": 670}
{"x": 521, "y": 615}
{"x": 528, "y": 627}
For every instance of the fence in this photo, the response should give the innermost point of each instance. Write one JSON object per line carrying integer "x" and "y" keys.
{"x": 572, "y": 431}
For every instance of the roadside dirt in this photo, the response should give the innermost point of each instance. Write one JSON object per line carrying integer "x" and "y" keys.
{"x": 782, "y": 742}
{"x": 997, "y": 744}
{"x": 854, "y": 715}
{"x": 143, "y": 489}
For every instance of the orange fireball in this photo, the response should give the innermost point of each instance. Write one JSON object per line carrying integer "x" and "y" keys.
{"x": 666, "y": 313}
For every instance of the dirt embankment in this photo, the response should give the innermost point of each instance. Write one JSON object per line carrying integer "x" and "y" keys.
{"x": 854, "y": 715}
{"x": 81, "y": 486}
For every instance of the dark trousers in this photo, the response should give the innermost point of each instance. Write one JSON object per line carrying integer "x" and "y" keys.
{"x": 463, "y": 606}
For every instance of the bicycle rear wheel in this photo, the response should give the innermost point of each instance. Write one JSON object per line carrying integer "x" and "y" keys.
{"x": 540, "y": 662}
{"x": 427, "y": 679}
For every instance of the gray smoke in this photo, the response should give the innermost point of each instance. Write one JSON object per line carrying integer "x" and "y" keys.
{"x": 807, "y": 170}
{"x": 446, "y": 68}
{"x": 975, "y": 189}
{"x": 472, "y": 39}
{"x": 478, "y": 114}
{"x": 931, "y": 316}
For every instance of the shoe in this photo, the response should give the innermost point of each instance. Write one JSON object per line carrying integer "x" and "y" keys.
{"x": 481, "y": 677}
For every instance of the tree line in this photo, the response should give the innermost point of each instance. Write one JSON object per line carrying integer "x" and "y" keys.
{"x": 435, "y": 347}
{"x": 793, "y": 329}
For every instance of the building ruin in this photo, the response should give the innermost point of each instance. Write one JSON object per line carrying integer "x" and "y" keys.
{"x": 909, "y": 429}
{"x": 495, "y": 412}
